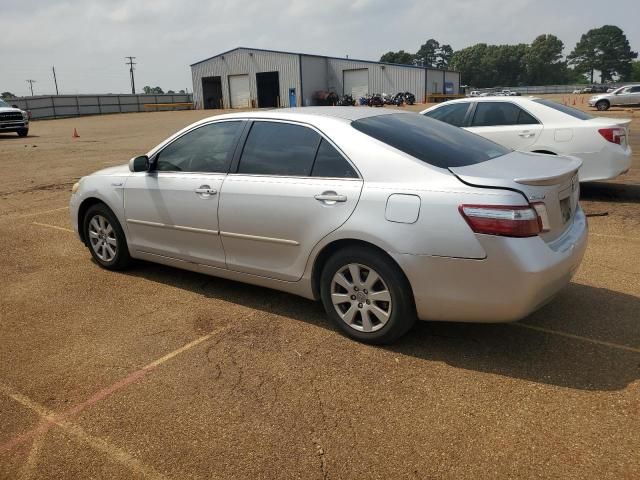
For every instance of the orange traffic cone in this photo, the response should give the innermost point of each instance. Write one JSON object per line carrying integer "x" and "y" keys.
{"x": 75, "y": 134}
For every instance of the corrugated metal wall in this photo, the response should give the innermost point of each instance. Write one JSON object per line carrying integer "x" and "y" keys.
{"x": 382, "y": 78}
{"x": 247, "y": 61}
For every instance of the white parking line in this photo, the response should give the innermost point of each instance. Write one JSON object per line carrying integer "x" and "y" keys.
{"x": 34, "y": 214}
{"x": 98, "y": 444}
{"x": 577, "y": 337}
{"x": 52, "y": 226}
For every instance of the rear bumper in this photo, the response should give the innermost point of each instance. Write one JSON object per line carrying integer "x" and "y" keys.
{"x": 610, "y": 162}
{"x": 518, "y": 276}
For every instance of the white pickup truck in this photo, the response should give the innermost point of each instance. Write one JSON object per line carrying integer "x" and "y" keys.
{"x": 13, "y": 119}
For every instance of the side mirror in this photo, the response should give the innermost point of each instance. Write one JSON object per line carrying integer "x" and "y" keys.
{"x": 139, "y": 164}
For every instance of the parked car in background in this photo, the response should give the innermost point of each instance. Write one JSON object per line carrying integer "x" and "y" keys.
{"x": 539, "y": 125}
{"x": 383, "y": 215}
{"x": 587, "y": 90}
{"x": 577, "y": 91}
{"x": 474, "y": 93}
{"x": 510, "y": 93}
{"x": 624, "y": 96}
{"x": 12, "y": 119}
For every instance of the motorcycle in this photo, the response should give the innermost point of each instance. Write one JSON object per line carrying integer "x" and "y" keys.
{"x": 376, "y": 100}
{"x": 346, "y": 101}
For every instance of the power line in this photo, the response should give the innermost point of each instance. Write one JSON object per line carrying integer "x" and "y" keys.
{"x": 31, "y": 82}
{"x": 131, "y": 63}
{"x": 55, "y": 80}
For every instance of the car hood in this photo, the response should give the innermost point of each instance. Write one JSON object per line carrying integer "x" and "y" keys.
{"x": 9, "y": 109}
{"x": 114, "y": 171}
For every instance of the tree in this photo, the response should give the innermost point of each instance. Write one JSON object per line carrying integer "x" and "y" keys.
{"x": 400, "y": 57}
{"x": 483, "y": 65}
{"x": 432, "y": 54}
{"x": 8, "y": 95}
{"x": 634, "y": 76}
{"x": 170, "y": 92}
{"x": 543, "y": 60}
{"x": 605, "y": 49}
{"x": 152, "y": 91}
{"x": 181, "y": 91}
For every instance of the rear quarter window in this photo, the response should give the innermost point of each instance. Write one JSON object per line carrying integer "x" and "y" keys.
{"x": 431, "y": 141}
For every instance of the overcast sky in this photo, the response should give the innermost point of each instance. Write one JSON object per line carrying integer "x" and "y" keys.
{"x": 87, "y": 40}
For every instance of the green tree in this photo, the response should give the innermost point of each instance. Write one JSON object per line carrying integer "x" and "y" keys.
{"x": 605, "y": 49}
{"x": 543, "y": 61}
{"x": 152, "y": 91}
{"x": 634, "y": 76}
{"x": 7, "y": 95}
{"x": 444, "y": 56}
{"x": 400, "y": 57}
{"x": 427, "y": 54}
{"x": 483, "y": 65}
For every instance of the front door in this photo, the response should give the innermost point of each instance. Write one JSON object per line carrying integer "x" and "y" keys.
{"x": 292, "y": 97}
{"x": 291, "y": 188}
{"x": 505, "y": 123}
{"x": 173, "y": 209}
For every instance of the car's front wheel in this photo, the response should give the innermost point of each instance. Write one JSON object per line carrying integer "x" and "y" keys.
{"x": 105, "y": 238}
{"x": 602, "y": 105}
{"x": 23, "y": 132}
{"x": 367, "y": 295}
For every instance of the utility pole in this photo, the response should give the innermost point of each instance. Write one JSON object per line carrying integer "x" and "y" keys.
{"x": 55, "y": 80}
{"x": 131, "y": 63}
{"x": 31, "y": 82}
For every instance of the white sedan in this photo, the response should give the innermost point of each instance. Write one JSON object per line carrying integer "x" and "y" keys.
{"x": 543, "y": 126}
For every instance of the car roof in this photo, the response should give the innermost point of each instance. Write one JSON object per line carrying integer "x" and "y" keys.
{"x": 346, "y": 114}
{"x": 496, "y": 98}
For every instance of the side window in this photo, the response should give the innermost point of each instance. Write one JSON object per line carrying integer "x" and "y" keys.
{"x": 525, "y": 118}
{"x": 279, "y": 149}
{"x": 329, "y": 163}
{"x": 452, "y": 114}
{"x": 635, "y": 90}
{"x": 500, "y": 113}
{"x": 206, "y": 149}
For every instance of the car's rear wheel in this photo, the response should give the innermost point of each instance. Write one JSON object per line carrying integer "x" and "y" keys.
{"x": 23, "y": 132}
{"x": 602, "y": 105}
{"x": 105, "y": 238}
{"x": 367, "y": 296}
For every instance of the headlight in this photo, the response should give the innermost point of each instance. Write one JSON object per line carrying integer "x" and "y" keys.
{"x": 75, "y": 188}
{"x": 25, "y": 115}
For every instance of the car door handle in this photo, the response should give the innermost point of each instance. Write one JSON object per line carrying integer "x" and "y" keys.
{"x": 526, "y": 134}
{"x": 206, "y": 190}
{"x": 330, "y": 197}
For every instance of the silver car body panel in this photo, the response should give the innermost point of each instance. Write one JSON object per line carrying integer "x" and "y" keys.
{"x": 269, "y": 230}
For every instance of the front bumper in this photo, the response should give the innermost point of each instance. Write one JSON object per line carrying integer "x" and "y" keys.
{"x": 13, "y": 126}
{"x": 517, "y": 277}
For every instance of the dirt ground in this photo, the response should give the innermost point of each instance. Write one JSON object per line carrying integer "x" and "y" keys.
{"x": 159, "y": 373}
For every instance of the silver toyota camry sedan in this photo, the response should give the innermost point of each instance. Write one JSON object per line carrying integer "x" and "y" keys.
{"x": 385, "y": 216}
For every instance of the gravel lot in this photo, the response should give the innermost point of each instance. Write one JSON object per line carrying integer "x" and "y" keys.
{"x": 160, "y": 373}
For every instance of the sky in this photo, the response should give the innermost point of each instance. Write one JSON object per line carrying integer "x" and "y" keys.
{"x": 87, "y": 40}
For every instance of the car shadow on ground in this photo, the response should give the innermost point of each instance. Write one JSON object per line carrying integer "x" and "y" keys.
{"x": 610, "y": 192}
{"x": 609, "y": 318}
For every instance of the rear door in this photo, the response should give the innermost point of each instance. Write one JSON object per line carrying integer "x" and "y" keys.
{"x": 290, "y": 188}
{"x": 505, "y": 123}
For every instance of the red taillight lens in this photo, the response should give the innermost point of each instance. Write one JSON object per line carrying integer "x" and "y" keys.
{"x": 613, "y": 135}
{"x": 507, "y": 221}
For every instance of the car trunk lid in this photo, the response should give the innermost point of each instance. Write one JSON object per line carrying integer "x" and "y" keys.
{"x": 548, "y": 182}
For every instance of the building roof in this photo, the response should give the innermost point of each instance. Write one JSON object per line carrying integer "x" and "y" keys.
{"x": 321, "y": 56}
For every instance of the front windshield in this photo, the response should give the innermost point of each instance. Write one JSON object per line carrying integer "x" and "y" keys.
{"x": 618, "y": 90}
{"x": 3, "y": 103}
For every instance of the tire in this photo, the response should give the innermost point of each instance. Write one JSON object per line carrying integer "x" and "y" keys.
{"x": 105, "y": 239}
{"x": 602, "y": 105}
{"x": 23, "y": 132}
{"x": 357, "y": 312}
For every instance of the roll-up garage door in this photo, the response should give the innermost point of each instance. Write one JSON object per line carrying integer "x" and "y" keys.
{"x": 356, "y": 82}
{"x": 239, "y": 91}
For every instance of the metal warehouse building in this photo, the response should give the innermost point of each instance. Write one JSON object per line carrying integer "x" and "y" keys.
{"x": 251, "y": 77}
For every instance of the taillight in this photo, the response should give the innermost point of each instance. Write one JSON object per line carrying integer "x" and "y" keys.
{"x": 541, "y": 210}
{"x": 507, "y": 221}
{"x": 612, "y": 135}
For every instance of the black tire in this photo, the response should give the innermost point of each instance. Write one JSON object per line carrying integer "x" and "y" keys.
{"x": 402, "y": 308}
{"x": 23, "y": 132}
{"x": 121, "y": 259}
{"x": 602, "y": 105}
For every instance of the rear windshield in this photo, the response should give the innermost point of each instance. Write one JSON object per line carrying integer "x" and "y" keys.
{"x": 434, "y": 142}
{"x": 574, "y": 112}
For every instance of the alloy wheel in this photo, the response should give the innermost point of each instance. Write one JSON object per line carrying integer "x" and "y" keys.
{"x": 361, "y": 297}
{"x": 102, "y": 237}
